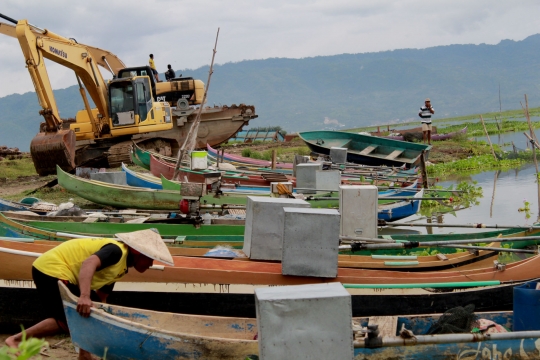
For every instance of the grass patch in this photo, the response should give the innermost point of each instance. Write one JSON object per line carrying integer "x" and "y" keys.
{"x": 13, "y": 168}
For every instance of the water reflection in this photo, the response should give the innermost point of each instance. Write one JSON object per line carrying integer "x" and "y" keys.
{"x": 504, "y": 193}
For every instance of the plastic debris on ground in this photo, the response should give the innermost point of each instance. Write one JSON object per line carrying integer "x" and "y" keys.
{"x": 225, "y": 252}
{"x": 67, "y": 209}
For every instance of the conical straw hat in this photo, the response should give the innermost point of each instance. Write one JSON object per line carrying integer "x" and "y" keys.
{"x": 149, "y": 243}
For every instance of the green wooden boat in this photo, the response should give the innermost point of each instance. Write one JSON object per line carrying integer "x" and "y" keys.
{"x": 42, "y": 229}
{"x": 210, "y": 236}
{"x": 137, "y": 156}
{"x": 122, "y": 196}
{"x": 365, "y": 149}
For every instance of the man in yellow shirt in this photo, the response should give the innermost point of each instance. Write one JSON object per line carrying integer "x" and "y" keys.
{"x": 153, "y": 67}
{"x": 89, "y": 267}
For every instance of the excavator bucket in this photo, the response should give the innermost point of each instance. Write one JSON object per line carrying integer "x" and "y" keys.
{"x": 49, "y": 149}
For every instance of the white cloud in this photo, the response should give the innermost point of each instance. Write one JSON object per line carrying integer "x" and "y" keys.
{"x": 182, "y": 32}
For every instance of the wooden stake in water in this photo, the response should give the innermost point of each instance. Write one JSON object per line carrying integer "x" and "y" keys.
{"x": 423, "y": 169}
{"x": 190, "y": 142}
{"x": 534, "y": 145}
{"x": 489, "y": 140}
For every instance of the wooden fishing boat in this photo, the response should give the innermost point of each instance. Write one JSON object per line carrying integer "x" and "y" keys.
{"x": 41, "y": 227}
{"x": 160, "y": 167}
{"x": 434, "y": 137}
{"x": 18, "y": 300}
{"x": 120, "y": 196}
{"x": 246, "y": 160}
{"x": 140, "y": 180}
{"x": 140, "y": 157}
{"x": 119, "y": 332}
{"x": 172, "y": 185}
{"x": 7, "y": 205}
{"x": 188, "y": 270}
{"x": 124, "y": 196}
{"x": 461, "y": 260}
{"x": 365, "y": 149}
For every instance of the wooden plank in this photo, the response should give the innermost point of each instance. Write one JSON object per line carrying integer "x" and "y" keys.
{"x": 394, "y": 154}
{"x": 387, "y": 325}
{"x": 368, "y": 150}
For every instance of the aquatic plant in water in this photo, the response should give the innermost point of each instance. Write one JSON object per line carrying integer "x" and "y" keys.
{"x": 526, "y": 209}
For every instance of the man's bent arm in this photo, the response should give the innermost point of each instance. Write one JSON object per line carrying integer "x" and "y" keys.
{"x": 88, "y": 269}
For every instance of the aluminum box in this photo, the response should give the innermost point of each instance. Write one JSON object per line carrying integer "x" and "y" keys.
{"x": 306, "y": 178}
{"x": 310, "y": 234}
{"x": 304, "y": 322}
{"x": 263, "y": 232}
{"x": 358, "y": 205}
{"x": 338, "y": 155}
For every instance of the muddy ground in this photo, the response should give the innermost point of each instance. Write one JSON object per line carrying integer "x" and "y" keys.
{"x": 23, "y": 183}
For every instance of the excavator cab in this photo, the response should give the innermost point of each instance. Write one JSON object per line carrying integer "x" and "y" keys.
{"x": 132, "y": 107}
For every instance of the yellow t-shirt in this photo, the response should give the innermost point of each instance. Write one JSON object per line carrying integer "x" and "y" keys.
{"x": 152, "y": 65}
{"x": 65, "y": 260}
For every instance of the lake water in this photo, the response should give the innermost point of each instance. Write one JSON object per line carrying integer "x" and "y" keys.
{"x": 505, "y": 140}
{"x": 499, "y": 207}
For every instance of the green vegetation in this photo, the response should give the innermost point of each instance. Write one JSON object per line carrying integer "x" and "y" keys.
{"x": 284, "y": 154}
{"x": 474, "y": 125}
{"x": 27, "y": 348}
{"x": 13, "y": 168}
{"x": 475, "y": 163}
{"x": 498, "y": 127}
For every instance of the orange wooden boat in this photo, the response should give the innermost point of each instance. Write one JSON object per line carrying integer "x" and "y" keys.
{"x": 16, "y": 265}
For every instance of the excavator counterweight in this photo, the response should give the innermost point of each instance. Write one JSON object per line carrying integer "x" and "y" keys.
{"x": 49, "y": 149}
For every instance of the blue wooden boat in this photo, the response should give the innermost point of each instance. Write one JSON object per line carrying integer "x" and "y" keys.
{"x": 7, "y": 205}
{"x": 365, "y": 149}
{"x": 117, "y": 332}
{"x": 401, "y": 209}
{"x": 129, "y": 333}
{"x": 136, "y": 179}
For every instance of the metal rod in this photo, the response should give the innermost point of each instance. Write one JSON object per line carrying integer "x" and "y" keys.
{"x": 416, "y": 245}
{"x": 446, "y": 242}
{"x": 476, "y": 226}
{"x": 109, "y": 66}
{"x": 396, "y": 341}
{"x": 384, "y": 198}
{"x": 8, "y": 18}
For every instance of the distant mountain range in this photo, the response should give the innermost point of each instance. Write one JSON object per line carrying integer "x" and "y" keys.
{"x": 342, "y": 91}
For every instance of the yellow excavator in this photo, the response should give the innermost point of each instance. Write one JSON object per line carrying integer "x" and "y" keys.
{"x": 124, "y": 106}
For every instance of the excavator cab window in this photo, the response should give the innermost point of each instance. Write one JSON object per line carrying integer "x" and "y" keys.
{"x": 144, "y": 97}
{"x": 122, "y": 100}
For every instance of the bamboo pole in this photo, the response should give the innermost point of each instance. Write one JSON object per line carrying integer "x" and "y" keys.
{"x": 489, "y": 140}
{"x": 274, "y": 156}
{"x": 189, "y": 143}
{"x": 493, "y": 195}
{"x": 423, "y": 285}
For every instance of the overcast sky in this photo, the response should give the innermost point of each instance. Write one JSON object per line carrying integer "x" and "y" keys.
{"x": 183, "y": 33}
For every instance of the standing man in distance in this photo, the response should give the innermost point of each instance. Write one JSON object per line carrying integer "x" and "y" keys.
{"x": 153, "y": 67}
{"x": 425, "y": 114}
